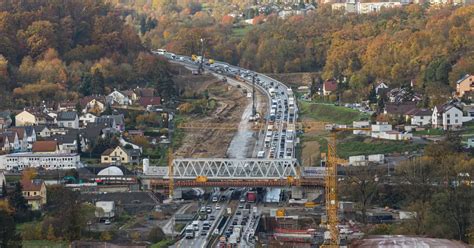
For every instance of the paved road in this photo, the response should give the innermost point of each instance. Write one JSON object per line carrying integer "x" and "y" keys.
{"x": 276, "y": 141}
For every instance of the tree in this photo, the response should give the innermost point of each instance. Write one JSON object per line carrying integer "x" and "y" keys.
{"x": 19, "y": 203}
{"x": 362, "y": 183}
{"x": 156, "y": 235}
{"x": 8, "y": 234}
{"x": 105, "y": 236}
{"x": 4, "y": 189}
{"x": 50, "y": 235}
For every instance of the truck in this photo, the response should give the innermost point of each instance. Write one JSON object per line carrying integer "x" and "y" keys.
{"x": 189, "y": 232}
{"x": 251, "y": 196}
{"x": 195, "y": 225}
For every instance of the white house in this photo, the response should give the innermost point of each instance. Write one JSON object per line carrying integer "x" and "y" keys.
{"x": 447, "y": 116}
{"x": 380, "y": 86}
{"x": 117, "y": 97}
{"x": 87, "y": 118}
{"x": 421, "y": 117}
{"x": 68, "y": 119}
{"x": 54, "y": 161}
{"x": 107, "y": 209}
{"x": 361, "y": 124}
{"x": 381, "y": 127}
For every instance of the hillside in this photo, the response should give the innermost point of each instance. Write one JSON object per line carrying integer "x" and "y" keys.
{"x": 58, "y": 50}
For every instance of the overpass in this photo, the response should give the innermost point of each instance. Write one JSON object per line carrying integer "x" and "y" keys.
{"x": 225, "y": 172}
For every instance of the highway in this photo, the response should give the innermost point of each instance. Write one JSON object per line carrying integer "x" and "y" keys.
{"x": 276, "y": 140}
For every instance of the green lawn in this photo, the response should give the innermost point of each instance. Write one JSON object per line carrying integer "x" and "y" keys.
{"x": 241, "y": 31}
{"x": 430, "y": 131}
{"x": 163, "y": 244}
{"x": 330, "y": 113}
{"x": 44, "y": 244}
{"x": 357, "y": 146}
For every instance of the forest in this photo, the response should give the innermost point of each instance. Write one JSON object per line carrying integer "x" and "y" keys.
{"x": 52, "y": 51}
{"x": 433, "y": 47}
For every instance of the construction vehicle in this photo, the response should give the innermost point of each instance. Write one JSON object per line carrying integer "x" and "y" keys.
{"x": 194, "y": 57}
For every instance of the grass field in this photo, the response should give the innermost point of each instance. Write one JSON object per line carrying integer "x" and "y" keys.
{"x": 44, "y": 244}
{"x": 330, "y": 113}
{"x": 431, "y": 131}
{"x": 241, "y": 31}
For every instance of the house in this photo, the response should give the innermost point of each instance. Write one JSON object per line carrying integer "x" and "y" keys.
{"x": 465, "y": 85}
{"x": 399, "y": 109}
{"x": 420, "y": 117}
{"x": 68, "y": 119}
{"x": 447, "y": 116}
{"x": 329, "y": 86}
{"x": 120, "y": 155}
{"x": 45, "y": 146}
{"x": 66, "y": 106}
{"x": 5, "y": 119}
{"x": 148, "y": 102}
{"x": 35, "y": 193}
{"x": 4, "y": 144}
{"x": 105, "y": 209}
{"x": 42, "y": 131}
{"x": 380, "y": 87}
{"x": 114, "y": 121}
{"x": 93, "y": 104}
{"x": 361, "y": 124}
{"x": 25, "y": 118}
{"x": 86, "y": 119}
{"x": 392, "y": 135}
{"x": 47, "y": 161}
{"x": 117, "y": 97}
{"x": 67, "y": 143}
{"x": 22, "y": 138}
{"x": 11, "y": 142}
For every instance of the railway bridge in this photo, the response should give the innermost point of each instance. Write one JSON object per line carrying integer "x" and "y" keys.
{"x": 225, "y": 172}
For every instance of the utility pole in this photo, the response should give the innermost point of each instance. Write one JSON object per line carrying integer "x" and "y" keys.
{"x": 201, "y": 67}
{"x": 254, "y": 108}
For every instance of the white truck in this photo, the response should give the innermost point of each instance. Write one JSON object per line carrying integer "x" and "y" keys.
{"x": 189, "y": 232}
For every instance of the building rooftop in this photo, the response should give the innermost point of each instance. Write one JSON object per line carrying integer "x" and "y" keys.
{"x": 45, "y": 146}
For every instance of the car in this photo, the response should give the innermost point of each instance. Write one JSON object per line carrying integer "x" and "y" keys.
{"x": 218, "y": 207}
{"x": 107, "y": 222}
{"x": 203, "y": 217}
{"x": 212, "y": 217}
{"x": 238, "y": 213}
{"x": 209, "y": 209}
{"x": 234, "y": 222}
{"x": 214, "y": 199}
{"x": 203, "y": 210}
{"x": 243, "y": 223}
{"x": 203, "y": 233}
{"x": 242, "y": 199}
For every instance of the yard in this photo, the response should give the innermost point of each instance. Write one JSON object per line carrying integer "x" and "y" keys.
{"x": 330, "y": 113}
{"x": 44, "y": 244}
{"x": 241, "y": 31}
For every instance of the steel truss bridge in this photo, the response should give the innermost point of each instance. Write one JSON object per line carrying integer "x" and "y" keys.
{"x": 224, "y": 172}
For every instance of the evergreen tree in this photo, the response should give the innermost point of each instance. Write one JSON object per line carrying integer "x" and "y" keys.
{"x": 17, "y": 200}
{"x": 4, "y": 189}
{"x": 372, "y": 95}
{"x": 8, "y": 235}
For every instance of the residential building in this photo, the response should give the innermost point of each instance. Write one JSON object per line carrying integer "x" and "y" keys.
{"x": 465, "y": 85}
{"x": 45, "y": 147}
{"x": 400, "y": 109}
{"x": 86, "y": 119}
{"x": 93, "y": 104}
{"x": 329, "y": 86}
{"x": 117, "y": 97}
{"x": 68, "y": 119}
{"x": 11, "y": 143}
{"x": 105, "y": 209}
{"x": 48, "y": 161}
{"x": 421, "y": 117}
{"x": 35, "y": 193}
{"x": 114, "y": 121}
{"x": 364, "y": 8}
{"x": 25, "y": 118}
{"x": 67, "y": 143}
{"x": 5, "y": 119}
{"x": 42, "y": 131}
{"x": 148, "y": 102}
{"x": 380, "y": 87}
{"x": 22, "y": 138}
{"x": 361, "y": 124}
{"x": 447, "y": 116}
{"x": 120, "y": 155}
